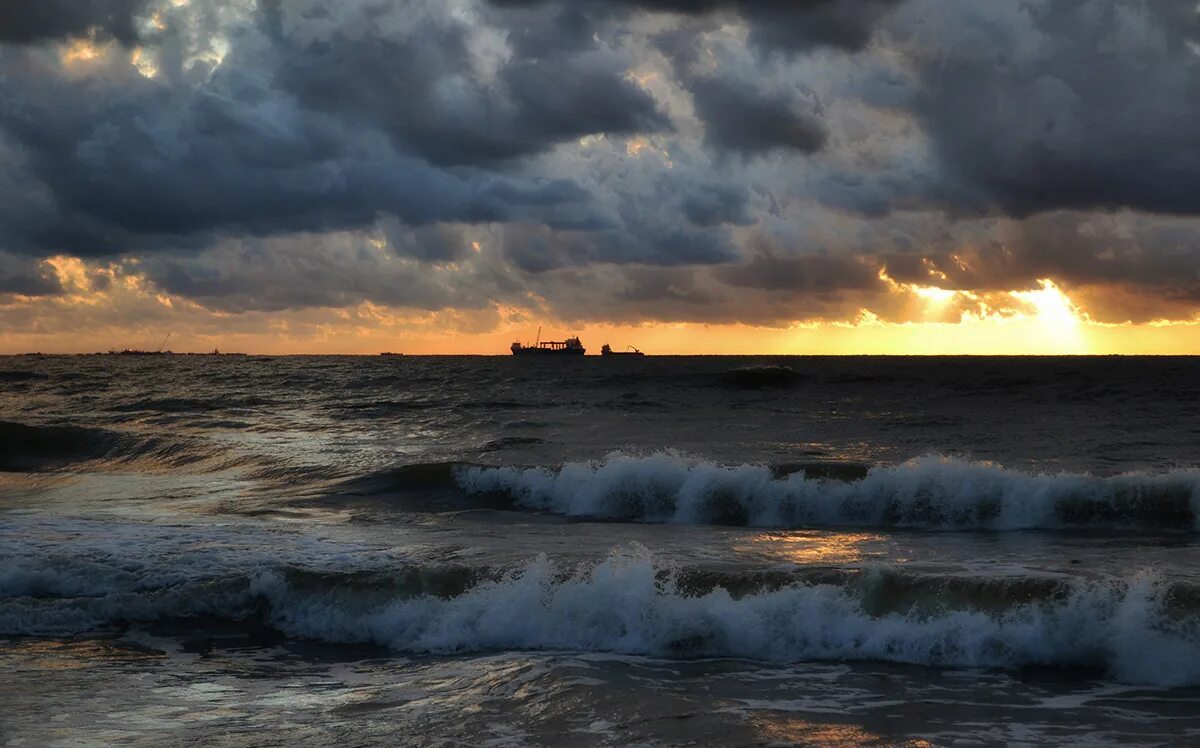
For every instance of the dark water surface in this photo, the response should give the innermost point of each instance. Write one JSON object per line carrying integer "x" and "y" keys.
{"x": 661, "y": 551}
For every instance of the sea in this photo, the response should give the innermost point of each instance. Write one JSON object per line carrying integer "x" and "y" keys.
{"x": 623, "y": 551}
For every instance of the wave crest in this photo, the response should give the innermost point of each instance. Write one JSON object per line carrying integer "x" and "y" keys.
{"x": 1140, "y": 629}
{"x": 932, "y": 492}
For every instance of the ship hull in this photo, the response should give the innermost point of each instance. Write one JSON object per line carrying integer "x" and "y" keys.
{"x": 547, "y": 352}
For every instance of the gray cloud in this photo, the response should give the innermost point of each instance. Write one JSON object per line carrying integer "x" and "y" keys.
{"x": 1064, "y": 105}
{"x": 20, "y": 275}
{"x": 718, "y": 160}
{"x": 774, "y": 24}
{"x": 417, "y": 85}
{"x": 135, "y": 164}
{"x": 25, "y": 22}
{"x": 714, "y": 203}
{"x": 740, "y": 120}
{"x": 310, "y": 270}
{"x": 805, "y": 274}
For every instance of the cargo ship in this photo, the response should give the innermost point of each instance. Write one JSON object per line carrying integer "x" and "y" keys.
{"x": 138, "y": 352}
{"x": 568, "y": 347}
{"x": 608, "y": 351}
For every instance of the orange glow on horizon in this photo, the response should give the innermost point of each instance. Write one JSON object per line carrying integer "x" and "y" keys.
{"x": 115, "y": 306}
{"x": 347, "y": 332}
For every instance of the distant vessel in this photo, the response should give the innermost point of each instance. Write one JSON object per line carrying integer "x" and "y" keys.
{"x": 136, "y": 352}
{"x": 608, "y": 351}
{"x": 389, "y": 353}
{"x": 568, "y": 347}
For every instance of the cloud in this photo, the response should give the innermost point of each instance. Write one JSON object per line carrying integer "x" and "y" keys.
{"x": 23, "y": 22}
{"x": 299, "y": 271}
{"x": 743, "y": 121}
{"x": 820, "y": 273}
{"x": 709, "y": 161}
{"x": 1062, "y": 105}
{"x": 129, "y": 163}
{"x": 774, "y": 24}
{"x": 411, "y": 73}
{"x": 715, "y": 203}
{"x": 20, "y": 275}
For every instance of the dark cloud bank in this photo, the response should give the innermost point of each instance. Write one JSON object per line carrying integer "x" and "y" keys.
{"x": 716, "y": 160}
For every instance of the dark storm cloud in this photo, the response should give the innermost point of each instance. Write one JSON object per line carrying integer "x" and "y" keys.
{"x": 435, "y": 154}
{"x": 433, "y": 243}
{"x": 135, "y": 164}
{"x": 20, "y": 275}
{"x": 32, "y": 21}
{"x": 1066, "y": 105}
{"x": 1160, "y": 255}
{"x": 310, "y": 270}
{"x": 774, "y": 24}
{"x": 417, "y": 87}
{"x": 740, "y": 120}
{"x": 714, "y": 203}
{"x": 538, "y": 249}
{"x": 816, "y": 273}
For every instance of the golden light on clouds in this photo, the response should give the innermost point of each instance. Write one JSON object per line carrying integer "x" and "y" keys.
{"x": 114, "y": 305}
{"x": 1056, "y": 316}
{"x": 144, "y": 63}
{"x": 71, "y": 273}
{"x": 82, "y": 50}
{"x": 639, "y": 145}
{"x": 1042, "y": 321}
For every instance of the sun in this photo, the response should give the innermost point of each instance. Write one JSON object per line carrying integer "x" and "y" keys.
{"x": 1056, "y": 317}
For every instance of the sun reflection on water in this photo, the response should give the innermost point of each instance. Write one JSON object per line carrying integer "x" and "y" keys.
{"x": 41, "y": 654}
{"x": 790, "y": 730}
{"x": 812, "y": 547}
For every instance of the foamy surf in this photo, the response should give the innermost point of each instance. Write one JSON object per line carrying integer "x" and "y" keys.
{"x": 75, "y": 578}
{"x": 932, "y": 492}
{"x": 629, "y": 605}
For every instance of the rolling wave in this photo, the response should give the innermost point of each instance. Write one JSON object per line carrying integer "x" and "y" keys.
{"x": 932, "y": 493}
{"x": 31, "y": 448}
{"x": 1138, "y": 629}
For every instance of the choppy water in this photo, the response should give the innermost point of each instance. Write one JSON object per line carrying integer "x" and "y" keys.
{"x": 472, "y": 551}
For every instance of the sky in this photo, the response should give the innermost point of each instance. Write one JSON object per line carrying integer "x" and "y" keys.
{"x": 703, "y": 176}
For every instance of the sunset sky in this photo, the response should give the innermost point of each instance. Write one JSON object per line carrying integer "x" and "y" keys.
{"x": 713, "y": 176}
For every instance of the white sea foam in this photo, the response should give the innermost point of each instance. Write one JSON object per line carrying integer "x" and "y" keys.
{"x": 932, "y": 492}
{"x": 624, "y": 605}
{"x": 630, "y": 603}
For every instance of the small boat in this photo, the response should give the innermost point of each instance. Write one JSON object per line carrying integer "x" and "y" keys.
{"x": 608, "y": 351}
{"x": 389, "y": 353}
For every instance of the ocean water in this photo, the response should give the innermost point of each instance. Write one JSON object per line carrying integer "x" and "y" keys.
{"x": 252, "y": 551}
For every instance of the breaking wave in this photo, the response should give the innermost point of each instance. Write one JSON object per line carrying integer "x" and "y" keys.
{"x": 628, "y": 605}
{"x": 933, "y": 493}
{"x": 1139, "y": 629}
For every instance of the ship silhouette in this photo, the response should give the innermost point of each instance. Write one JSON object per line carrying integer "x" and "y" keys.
{"x": 569, "y": 347}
